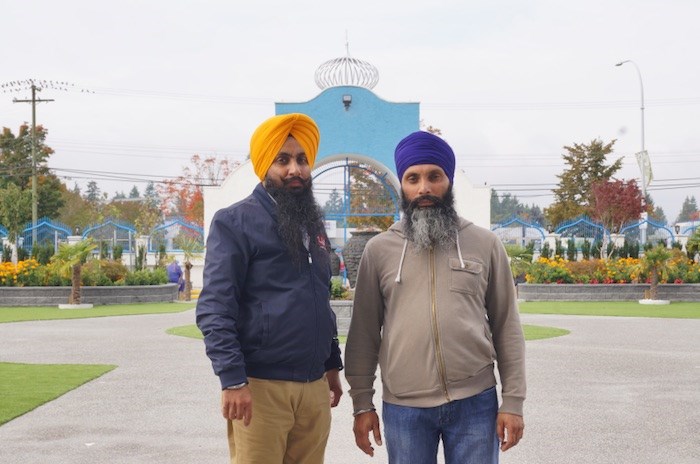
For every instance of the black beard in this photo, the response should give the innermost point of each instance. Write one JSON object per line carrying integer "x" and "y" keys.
{"x": 430, "y": 226}
{"x": 297, "y": 211}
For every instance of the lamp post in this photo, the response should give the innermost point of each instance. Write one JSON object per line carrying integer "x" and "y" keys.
{"x": 642, "y": 227}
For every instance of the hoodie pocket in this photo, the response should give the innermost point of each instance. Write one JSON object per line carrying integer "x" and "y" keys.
{"x": 465, "y": 279}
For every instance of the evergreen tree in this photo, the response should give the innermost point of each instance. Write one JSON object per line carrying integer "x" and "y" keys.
{"x": 151, "y": 195}
{"x": 586, "y": 165}
{"x": 334, "y": 204}
{"x": 689, "y": 210}
{"x": 16, "y": 162}
{"x": 134, "y": 193}
{"x": 93, "y": 194}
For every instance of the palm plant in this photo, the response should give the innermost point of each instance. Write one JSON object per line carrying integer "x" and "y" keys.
{"x": 655, "y": 262}
{"x": 191, "y": 247}
{"x": 68, "y": 262}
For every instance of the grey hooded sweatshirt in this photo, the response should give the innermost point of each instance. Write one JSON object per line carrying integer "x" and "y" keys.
{"x": 436, "y": 321}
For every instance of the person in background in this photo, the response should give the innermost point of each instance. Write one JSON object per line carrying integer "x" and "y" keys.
{"x": 435, "y": 306}
{"x": 264, "y": 309}
{"x": 175, "y": 275}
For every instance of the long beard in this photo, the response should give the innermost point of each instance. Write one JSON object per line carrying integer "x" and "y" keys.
{"x": 297, "y": 211}
{"x": 432, "y": 226}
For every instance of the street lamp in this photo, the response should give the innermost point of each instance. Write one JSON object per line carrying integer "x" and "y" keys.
{"x": 642, "y": 158}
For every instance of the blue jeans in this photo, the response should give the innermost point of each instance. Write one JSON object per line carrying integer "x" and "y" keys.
{"x": 467, "y": 428}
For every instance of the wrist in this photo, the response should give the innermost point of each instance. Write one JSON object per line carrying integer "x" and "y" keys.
{"x": 362, "y": 411}
{"x": 237, "y": 386}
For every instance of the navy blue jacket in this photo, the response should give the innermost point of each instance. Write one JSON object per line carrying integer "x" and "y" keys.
{"x": 263, "y": 315}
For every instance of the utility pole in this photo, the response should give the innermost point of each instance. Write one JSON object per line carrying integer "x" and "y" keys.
{"x": 35, "y": 195}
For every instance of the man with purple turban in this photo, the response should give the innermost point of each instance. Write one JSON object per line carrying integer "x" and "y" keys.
{"x": 264, "y": 309}
{"x": 435, "y": 307}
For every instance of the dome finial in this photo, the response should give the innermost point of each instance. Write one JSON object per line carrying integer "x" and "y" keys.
{"x": 346, "y": 71}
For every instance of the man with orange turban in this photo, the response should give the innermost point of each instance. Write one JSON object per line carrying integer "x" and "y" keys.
{"x": 264, "y": 309}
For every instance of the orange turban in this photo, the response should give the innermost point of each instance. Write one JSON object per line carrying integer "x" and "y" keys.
{"x": 268, "y": 138}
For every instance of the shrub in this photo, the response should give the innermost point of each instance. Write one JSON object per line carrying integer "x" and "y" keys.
{"x": 571, "y": 249}
{"x": 586, "y": 250}
{"x": 117, "y": 252}
{"x": 6, "y": 253}
{"x": 22, "y": 254}
{"x": 157, "y": 276}
{"x": 338, "y": 291}
{"x": 545, "y": 252}
{"x": 43, "y": 252}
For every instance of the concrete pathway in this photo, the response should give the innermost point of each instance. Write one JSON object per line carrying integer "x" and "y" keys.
{"x": 616, "y": 390}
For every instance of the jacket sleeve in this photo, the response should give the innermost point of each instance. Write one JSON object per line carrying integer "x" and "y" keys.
{"x": 508, "y": 339}
{"x": 225, "y": 269}
{"x": 334, "y": 361}
{"x": 364, "y": 335}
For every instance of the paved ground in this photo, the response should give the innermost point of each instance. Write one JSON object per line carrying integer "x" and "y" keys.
{"x": 616, "y": 390}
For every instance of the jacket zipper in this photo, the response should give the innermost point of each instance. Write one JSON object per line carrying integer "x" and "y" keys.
{"x": 436, "y": 331}
{"x": 313, "y": 290}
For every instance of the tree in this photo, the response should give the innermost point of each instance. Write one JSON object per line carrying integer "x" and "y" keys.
{"x": 191, "y": 247}
{"x": 508, "y": 206}
{"x": 69, "y": 260}
{"x": 183, "y": 196}
{"x": 134, "y": 193}
{"x": 150, "y": 195}
{"x": 334, "y": 204}
{"x": 16, "y": 156}
{"x": 654, "y": 262}
{"x": 76, "y": 211}
{"x": 16, "y": 162}
{"x": 615, "y": 203}
{"x": 586, "y": 165}
{"x": 689, "y": 210}
{"x": 369, "y": 196}
{"x": 15, "y": 205}
{"x": 93, "y": 194}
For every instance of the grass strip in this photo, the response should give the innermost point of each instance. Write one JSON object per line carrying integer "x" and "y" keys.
{"x": 24, "y": 387}
{"x": 675, "y": 310}
{"x": 41, "y": 313}
{"x": 532, "y": 332}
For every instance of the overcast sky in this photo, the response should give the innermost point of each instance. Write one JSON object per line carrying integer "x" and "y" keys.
{"x": 509, "y": 83}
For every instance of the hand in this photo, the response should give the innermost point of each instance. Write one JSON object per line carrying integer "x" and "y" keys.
{"x": 333, "y": 377}
{"x": 363, "y": 424}
{"x": 237, "y": 405}
{"x": 510, "y": 429}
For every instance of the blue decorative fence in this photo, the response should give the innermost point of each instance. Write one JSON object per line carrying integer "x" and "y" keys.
{"x": 47, "y": 232}
{"x": 114, "y": 233}
{"x": 520, "y": 232}
{"x": 172, "y": 233}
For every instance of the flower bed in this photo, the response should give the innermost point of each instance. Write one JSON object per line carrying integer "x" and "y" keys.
{"x": 95, "y": 273}
{"x": 103, "y": 282}
{"x": 678, "y": 270}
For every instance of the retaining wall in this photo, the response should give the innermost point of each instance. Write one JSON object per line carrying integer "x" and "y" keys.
{"x": 605, "y": 292}
{"x": 53, "y": 296}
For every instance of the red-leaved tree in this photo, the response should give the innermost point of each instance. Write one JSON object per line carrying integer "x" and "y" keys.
{"x": 183, "y": 196}
{"x": 615, "y": 203}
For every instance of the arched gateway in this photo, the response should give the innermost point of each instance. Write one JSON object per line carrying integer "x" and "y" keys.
{"x": 359, "y": 132}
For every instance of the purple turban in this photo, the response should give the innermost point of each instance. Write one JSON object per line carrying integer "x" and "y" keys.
{"x": 424, "y": 148}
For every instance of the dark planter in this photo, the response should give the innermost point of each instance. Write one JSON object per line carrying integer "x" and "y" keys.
{"x": 353, "y": 252}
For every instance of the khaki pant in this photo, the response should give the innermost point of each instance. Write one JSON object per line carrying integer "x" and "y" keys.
{"x": 291, "y": 422}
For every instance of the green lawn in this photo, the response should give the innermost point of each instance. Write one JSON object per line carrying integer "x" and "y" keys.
{"x": 676, "y": 310}
{"x": 24, "y": 387}
{"x": 532, "y": 332}
{"x": 37, "y": 313}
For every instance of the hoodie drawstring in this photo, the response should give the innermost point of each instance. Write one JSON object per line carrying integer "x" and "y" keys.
{"x": 459, "y": 251}
{"x": 403, "y": 255}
